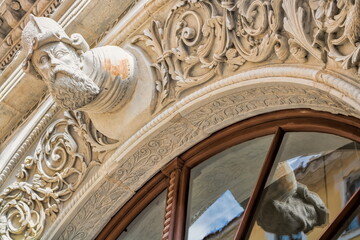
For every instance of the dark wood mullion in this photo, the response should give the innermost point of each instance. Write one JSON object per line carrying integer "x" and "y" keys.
{"x": 250, "y": 211}
{"x": 336, "y": 228}
{"x": 173, "y": 171}
{"x": 182, "y": 204}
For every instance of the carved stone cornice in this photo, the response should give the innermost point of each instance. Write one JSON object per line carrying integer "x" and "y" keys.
{"x": 13, "y": 15}
{"x": 199, "y": 40}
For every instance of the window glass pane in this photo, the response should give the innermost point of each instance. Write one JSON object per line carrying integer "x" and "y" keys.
{"x": 309, "y": 186}
{"x": 352, "y": 230}
{"x": 220, "y": 187}
{"x": 149, "y": 223}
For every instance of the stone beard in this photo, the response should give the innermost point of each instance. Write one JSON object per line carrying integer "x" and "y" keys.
{"x": 95, "y": 81}
{"x": 59, "y": 66}
{"x": 71, "y": 88}
{"x": 100, "y": 80}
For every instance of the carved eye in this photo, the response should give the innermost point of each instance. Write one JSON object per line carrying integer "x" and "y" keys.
{"x": 60, "y": 54}
{"x": 44, "y": 59}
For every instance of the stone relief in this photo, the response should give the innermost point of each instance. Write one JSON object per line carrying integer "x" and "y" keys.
{"x": 220, "y": 111}
{"x": 37, "y": 131}
{"x": 45, "y": 180}
{"x": 93, "y": 81}
{"x": 96, "y": 81}
{"x": 201, "y": 39}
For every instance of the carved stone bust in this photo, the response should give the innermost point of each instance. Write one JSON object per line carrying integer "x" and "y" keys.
{"x": 95, "y": 81}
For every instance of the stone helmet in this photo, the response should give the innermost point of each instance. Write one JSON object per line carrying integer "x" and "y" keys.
{"x": 40, "y": 31}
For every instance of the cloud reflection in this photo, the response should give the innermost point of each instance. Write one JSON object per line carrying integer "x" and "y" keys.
{"x": 302, "y": 161}
{"x": 216, "y": 217}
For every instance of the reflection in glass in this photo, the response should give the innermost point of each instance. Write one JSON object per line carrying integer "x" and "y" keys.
{"x": 220, "y": 187}
{"x": 307, "y": 189}
{"x": 216, "y": 217}
{"x": 352, "y": 229}
{"x": 297, "y": 236}
{"x": 149, "y": 223}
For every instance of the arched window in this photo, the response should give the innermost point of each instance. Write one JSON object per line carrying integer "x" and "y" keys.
{"x": 291, "y": 174}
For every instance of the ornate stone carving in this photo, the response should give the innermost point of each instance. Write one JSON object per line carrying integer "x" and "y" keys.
{"x": 99, "y": 142}
{"x": 201, "y": 39}
{"x": 103, "y": 199}
{"x": 47, "y": 179}
{"x": 337, "y": 30}
{"x": 137, "y": 161}
{"x": 15, "y": 159}
{"x": 218, "y": 112}
{"x": 96, "y": 81}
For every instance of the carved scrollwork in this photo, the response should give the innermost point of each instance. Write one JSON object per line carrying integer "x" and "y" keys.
{"x": 202, "y": 39}
{"x": 197, "y": 42}
{"x": 338, "y": 29}
{"x": 84, "y": 127}
{"x": 47, "y": 179}
{"x": 298, "y": 23}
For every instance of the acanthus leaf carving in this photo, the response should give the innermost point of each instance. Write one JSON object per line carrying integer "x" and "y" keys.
{"x": 49, "y": 178}
{"x": 199, "y": 40}
{"x": 298, "y": 23}
{"x": 84, "y": 127}
{"x": 339, "y": 22}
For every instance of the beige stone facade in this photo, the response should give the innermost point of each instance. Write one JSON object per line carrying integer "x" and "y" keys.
{"x": 198, "y": 67}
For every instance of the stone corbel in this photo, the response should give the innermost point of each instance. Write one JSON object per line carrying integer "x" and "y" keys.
{"x": 99, "y": 80}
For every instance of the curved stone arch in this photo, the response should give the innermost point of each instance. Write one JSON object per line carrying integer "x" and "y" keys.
{"x": 188, "y": 122}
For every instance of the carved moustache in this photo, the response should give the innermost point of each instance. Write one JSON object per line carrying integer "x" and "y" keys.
{"x": 71, "y": 88}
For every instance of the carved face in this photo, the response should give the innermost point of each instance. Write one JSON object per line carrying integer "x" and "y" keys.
{"x": 59, "y": 66}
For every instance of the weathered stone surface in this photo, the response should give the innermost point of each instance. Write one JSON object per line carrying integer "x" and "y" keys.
{"x": 200, "y": 67}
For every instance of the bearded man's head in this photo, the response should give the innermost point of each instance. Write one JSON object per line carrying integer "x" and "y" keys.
{"x": 54, "y": 57}
{"x": 59, "y": 66}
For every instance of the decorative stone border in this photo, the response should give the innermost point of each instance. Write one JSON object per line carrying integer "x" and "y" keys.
{"x": 186, "y": 123}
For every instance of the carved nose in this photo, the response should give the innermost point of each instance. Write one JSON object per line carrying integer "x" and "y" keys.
{"x": 54, "y": 61}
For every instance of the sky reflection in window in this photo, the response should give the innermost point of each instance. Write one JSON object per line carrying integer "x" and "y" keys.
{"x": 302, "y": 161}
{"x": 216, "y": 217}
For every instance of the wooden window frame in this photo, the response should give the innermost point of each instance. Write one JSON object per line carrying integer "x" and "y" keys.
{"x": 133, "y": 207}
{"x": 175, "y": 176}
